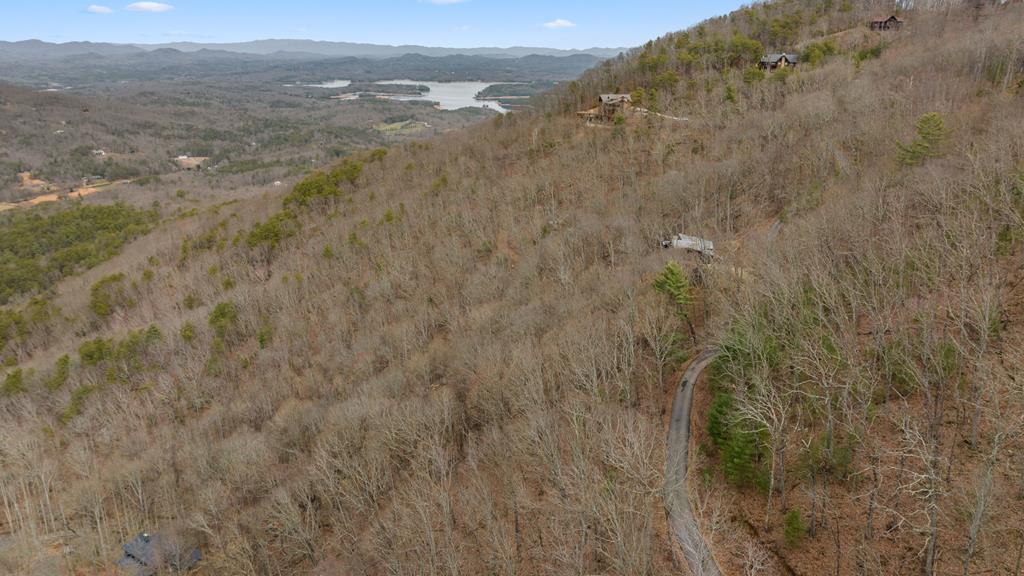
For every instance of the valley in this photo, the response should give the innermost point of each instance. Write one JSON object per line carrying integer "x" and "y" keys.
{"x": 267, "y": 121}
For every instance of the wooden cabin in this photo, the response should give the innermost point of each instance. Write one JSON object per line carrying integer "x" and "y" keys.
{"x": 882, "y": 24}
{"x": 779, "y": 60}
{"x": 608, "y": 107}
{"x": 613, "y": 104}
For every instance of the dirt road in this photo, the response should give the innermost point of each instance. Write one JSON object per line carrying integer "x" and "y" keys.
{"x": 681, "y": 520}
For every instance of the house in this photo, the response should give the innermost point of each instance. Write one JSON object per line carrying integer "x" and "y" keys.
{"x": 691, "y": 244}
{"x": 779, "y": 60}
{"x": 614, "y": 104}
{"x": 890, "y": 23}
{"x": 608, "y": 107}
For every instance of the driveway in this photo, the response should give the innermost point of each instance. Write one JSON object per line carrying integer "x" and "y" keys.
{"x": 681, "y": 520}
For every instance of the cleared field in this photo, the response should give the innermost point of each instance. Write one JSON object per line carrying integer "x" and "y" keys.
{"x": 53, "y": 196}
{"x": 407, "y": 127}
{"x": 191, "y": 163}
{"x": 27, "y": 181}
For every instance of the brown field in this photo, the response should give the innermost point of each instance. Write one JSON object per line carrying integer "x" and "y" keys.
{"x": 191, "y": 163}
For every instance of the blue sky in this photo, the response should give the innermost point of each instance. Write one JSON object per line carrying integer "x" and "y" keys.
{"x": 457, "y": 23}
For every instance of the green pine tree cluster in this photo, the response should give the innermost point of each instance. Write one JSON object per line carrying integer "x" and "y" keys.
{"x": 931, "y": 135}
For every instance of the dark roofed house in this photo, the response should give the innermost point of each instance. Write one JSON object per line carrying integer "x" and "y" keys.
{"x": 779, "y": 60}
{"x": 882, "y": 23}
{"x": 150, "y": 554}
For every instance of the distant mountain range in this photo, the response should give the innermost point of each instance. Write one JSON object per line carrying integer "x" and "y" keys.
{"x": 336, "y": 49}
{"x": 79, "y": 64}
{"x": 39, "y": 50}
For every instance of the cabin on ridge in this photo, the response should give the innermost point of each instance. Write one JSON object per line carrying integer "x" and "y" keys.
{"x": 613, "y": 104}
{"x": 608, "y": 107}
{"x": 891, "y": 23}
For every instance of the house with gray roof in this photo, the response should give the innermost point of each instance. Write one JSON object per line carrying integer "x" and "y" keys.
{"x": 151, "y": 554}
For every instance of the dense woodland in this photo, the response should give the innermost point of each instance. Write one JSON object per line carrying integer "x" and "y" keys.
{"x": 455, "y": 355}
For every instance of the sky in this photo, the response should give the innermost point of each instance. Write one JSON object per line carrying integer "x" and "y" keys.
{"x": 449, "y": 23}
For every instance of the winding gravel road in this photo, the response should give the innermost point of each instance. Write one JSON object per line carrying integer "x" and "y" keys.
{"x": 681, "y": 520}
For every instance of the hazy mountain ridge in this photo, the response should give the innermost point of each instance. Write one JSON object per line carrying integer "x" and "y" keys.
{"x": 84, "y": 63}
{"x": 40, "y": 50}
{"x": 93, "y": 69}
{"x": 327, "y": 48}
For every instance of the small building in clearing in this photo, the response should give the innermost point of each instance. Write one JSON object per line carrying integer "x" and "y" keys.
{"x": 779, "y": 60}
{"x": 882, "y": 23}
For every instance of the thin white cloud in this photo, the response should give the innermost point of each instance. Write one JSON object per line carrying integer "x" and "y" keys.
{"x": 149, "y": 7}
{"x": 559, "y": 24}
{"x": 445, "y": 2}
{"x": 97, "y": 9}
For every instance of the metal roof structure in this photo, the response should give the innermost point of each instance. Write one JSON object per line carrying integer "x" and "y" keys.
{"x": 692, "y": 243}
{"x": 150, "y": 554}
{"x": 615, "y": 98}
{"x": 774, "y": 58}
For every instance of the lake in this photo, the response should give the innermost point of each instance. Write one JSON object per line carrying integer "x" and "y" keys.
{"x": 447, "y": 95}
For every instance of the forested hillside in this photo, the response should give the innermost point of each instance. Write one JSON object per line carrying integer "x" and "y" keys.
{"x": 455, "y": 356}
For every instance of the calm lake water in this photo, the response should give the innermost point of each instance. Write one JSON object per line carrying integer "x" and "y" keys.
{"x": 447, "y": 95}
